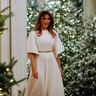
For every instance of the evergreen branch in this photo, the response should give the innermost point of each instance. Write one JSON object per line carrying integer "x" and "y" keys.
{"x": 23, "y": 92}
{"x": 5, "y": 9}
{"x": 12, "y": 63}
{"x": 16, "y": 82}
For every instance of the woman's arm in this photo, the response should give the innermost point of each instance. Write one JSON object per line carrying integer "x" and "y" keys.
{"x": 59, "y": 65}
{"x": 32, "y": 57}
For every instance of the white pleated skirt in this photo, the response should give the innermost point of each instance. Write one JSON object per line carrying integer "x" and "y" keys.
{"x": 49, "y": 82}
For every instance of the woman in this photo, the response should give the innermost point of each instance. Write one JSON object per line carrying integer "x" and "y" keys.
{"x": 44, "y": 47}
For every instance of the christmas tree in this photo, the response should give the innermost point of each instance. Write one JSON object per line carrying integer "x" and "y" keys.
{"x": 7, "y": 79}
{"x": 83, "y": 68}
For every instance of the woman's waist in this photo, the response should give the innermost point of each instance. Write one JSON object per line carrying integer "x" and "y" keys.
{"x": 46, "y": 54}
{"x": 45, "y": 51}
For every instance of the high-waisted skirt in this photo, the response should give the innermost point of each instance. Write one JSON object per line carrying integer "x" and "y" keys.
{"x": 49, "y": 82}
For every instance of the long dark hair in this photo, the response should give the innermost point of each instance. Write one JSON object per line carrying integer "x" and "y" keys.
{"x": 37, "y": 28}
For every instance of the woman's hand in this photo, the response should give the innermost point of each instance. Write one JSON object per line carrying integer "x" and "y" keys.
{"x": 35, "y": 73}
{"x": 32, "y": 57}
{"x": 59, "y": 65}
{"x": 62, "y": 74}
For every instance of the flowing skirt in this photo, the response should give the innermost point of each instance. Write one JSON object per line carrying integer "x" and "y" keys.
{"x": 49, "y": 82}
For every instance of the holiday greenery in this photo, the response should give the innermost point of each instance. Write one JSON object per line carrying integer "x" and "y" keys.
{"x": 83, "y": 68}
{"x": 79, "y": 39}
{"x": 7, "y": 79}
{"x": 3, "y": 18}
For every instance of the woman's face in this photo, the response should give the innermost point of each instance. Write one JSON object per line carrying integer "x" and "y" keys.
{"x": 45, "y": 21}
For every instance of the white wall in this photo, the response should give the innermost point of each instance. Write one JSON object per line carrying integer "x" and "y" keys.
{"x": 19, "y": 37}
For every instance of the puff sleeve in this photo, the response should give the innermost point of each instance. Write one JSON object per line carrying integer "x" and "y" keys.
{"x": 58, "y": 47}
{"x": 31, "y": 43}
